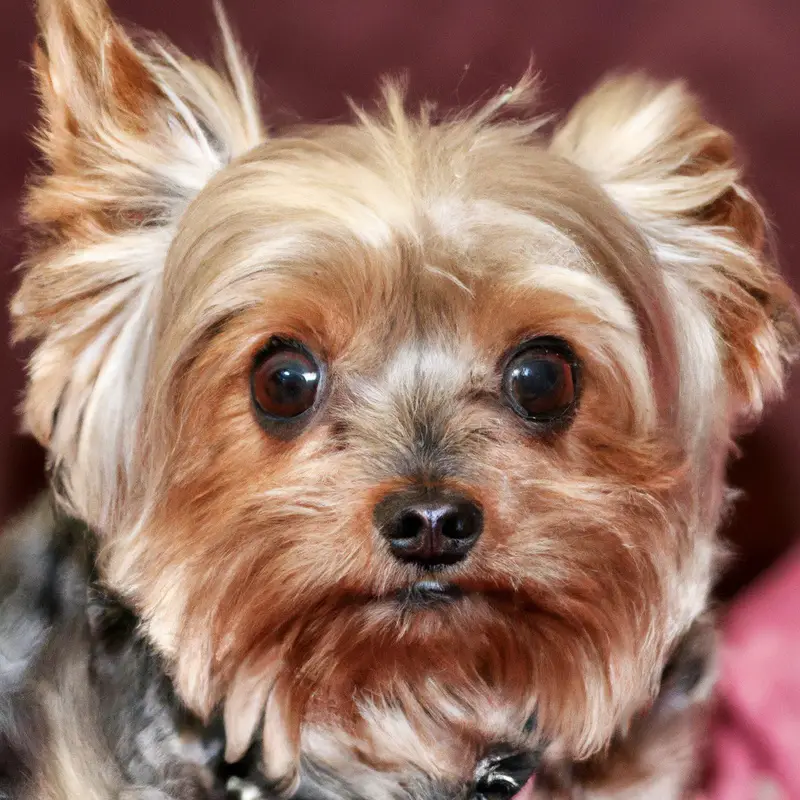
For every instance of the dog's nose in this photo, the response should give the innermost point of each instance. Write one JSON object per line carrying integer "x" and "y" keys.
{"x": 431, "y": 531}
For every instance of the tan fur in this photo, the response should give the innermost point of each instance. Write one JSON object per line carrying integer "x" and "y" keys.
{"x": 411, "y": 256}
{"x": 78, "y": 763}
{"x": 659, "y": 755}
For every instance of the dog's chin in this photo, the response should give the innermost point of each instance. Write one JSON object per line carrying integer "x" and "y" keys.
{"x": 429, "y": 608}
{"x": 420, "y": 677}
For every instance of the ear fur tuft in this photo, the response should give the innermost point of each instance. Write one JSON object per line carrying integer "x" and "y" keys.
{"x": 131, "y": 131}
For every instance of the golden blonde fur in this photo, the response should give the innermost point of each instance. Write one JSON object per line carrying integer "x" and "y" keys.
{"x": 659, "y": 755}
{"x": 174, "y": 236}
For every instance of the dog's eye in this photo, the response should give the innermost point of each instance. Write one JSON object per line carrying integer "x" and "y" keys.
{"x": 285, "y": 380}
{"x": 540, "y": 380}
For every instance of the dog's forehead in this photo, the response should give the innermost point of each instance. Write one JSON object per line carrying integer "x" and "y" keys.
{"x": 381, "y": 245}
{"x": 346, "y": 227}
{"x": 404, "y": 210}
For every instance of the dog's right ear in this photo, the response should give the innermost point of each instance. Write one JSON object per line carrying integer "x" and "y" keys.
{"x": 130, "y": 133}
{"x": 678, "y": 178}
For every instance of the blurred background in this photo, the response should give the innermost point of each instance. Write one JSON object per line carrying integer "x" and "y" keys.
{"x": 741, "y": 56}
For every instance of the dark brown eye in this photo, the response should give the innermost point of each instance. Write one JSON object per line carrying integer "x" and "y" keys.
{"x": 285, "y": 380}
{"x": 540, "y": 380}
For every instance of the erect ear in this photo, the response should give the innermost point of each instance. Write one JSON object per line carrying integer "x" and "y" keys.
{"x": 676, "y": 176}
{"x": 130, "y": 133}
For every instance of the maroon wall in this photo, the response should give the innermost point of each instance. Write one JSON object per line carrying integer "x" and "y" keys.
{"x": 742, "y": 56}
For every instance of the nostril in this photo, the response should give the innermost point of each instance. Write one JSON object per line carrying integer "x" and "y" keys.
{"x": 461, "y": 522}
{"x": 454, "y": 526}
{"x": 409, "y": 526}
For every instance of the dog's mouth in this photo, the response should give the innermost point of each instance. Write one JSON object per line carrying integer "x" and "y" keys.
{"x": 426, "y": 593}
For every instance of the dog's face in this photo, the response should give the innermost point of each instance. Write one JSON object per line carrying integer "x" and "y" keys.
{"x": 400, "y": 434}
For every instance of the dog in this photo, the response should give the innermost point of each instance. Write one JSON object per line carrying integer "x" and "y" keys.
{"x": 405, "y": 438}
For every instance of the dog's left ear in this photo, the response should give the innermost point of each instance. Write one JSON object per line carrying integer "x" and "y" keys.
{"x": 675, "y": 175}
{"x": 131, "y": 130}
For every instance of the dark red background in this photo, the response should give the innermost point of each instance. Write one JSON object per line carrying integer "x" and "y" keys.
{"x": 742, "y": 56}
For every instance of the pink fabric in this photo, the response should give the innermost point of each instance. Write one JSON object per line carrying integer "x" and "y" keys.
{"x": 755, "y": 752}
{"x": 755, "y": 742}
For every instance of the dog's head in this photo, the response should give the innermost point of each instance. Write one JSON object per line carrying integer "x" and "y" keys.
{"x": 397, "y": 432}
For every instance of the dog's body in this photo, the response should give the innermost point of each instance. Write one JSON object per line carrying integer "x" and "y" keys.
{"x": 88, "y": 711}
{"x": 397, "y": 435}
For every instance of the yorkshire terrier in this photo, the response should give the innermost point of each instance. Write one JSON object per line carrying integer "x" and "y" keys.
{"x": 403, "y": 439}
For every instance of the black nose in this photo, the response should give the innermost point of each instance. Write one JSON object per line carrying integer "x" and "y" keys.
{"x": 430, "y": 528}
